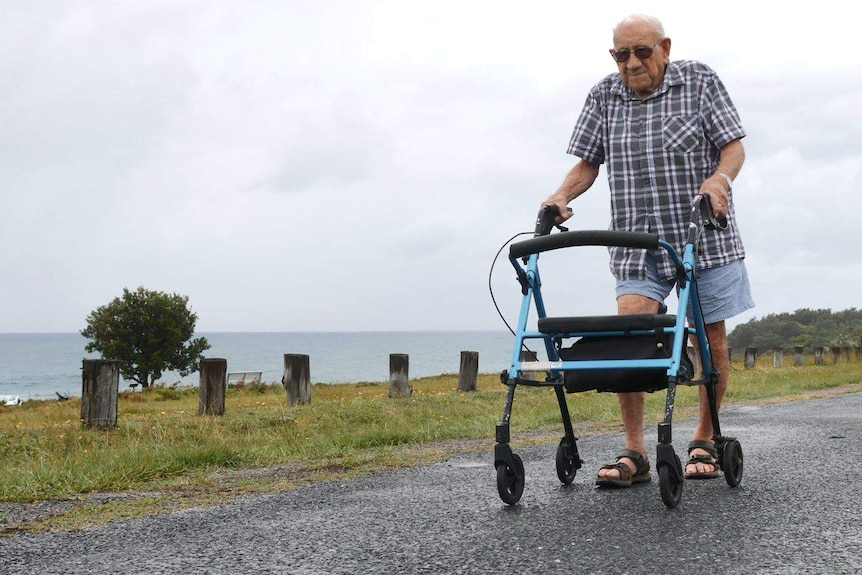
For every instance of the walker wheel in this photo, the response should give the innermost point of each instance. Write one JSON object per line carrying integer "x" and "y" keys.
{"x": 510, "y": 482}
{"x": 567, "y": 467}
{"x": 731, "y": 462}
{"x": 670, "y": 486}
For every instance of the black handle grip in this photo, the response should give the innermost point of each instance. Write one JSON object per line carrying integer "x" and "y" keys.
{"x": 545, "y": 220}
{"x": 541, "y": 244}
{"x": 704, "y": 214}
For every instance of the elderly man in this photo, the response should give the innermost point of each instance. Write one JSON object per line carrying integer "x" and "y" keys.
{"x": 666, "y": 131}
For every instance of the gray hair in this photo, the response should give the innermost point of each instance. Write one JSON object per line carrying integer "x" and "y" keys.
{"x": 651, "y": 21}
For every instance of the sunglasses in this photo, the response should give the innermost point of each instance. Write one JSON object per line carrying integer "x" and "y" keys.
{"x": 641, "y": 52}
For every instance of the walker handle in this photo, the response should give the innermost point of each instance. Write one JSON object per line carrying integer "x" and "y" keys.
{"x": 546, "y": 219}
{"x": 702, "y": 210}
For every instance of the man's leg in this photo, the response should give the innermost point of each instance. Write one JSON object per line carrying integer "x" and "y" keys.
{"x": 724, "y": 293}
{"x": 632, "y": 404}
{"x": 716, "y": 333}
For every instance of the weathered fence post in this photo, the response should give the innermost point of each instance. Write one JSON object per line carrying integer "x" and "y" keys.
{"x": 800, "y": 356}
{"x": 819, "y": 358}
{"x": 297, "y": 378}
{"x": 101, "y": 385}
{"x": 399, "y": 381}
{"x": 836, "y": 355}
{"x": 750, "y": 357}
{"x": 730, "y": 353}
{"x": 531, "y": 375}
{"x": 468, "y": 371}
{"x": 213, "y": 373}
{"x": 777, "y": 357}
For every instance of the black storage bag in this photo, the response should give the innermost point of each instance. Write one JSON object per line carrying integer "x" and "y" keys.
{"x": 649, "y": 346}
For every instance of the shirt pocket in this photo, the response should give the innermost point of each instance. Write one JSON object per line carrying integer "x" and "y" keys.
{"x": 681, "y": 134}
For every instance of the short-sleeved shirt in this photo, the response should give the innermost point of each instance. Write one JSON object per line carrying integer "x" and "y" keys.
{"x": 658, "y": 152}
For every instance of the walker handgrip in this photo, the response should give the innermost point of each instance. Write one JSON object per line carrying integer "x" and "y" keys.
{"x": 545, "y": 220}
{"x": 638, "y": 240}
{"x": 707, "y": 216}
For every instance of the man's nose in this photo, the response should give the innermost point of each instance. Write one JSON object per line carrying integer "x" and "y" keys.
{"x": 633, "y": 63}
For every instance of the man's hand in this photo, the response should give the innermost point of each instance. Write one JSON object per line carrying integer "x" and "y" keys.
{"x": 715, "y": 188}
{"x": 562, "y": 205}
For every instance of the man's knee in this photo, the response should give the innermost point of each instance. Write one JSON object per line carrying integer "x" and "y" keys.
{"x": 632, "y": 303}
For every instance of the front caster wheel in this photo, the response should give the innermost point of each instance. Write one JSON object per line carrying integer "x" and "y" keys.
{"x": 670, "y": 486}
{"x": 731, "y": 462}
{"x": 567, "y": 467}
{"x": 510, "y": 482}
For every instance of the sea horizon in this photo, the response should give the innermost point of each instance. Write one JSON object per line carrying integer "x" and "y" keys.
{"x": 42, "y": 365}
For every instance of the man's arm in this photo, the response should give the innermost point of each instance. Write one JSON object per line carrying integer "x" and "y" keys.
{"x": 578, "y": 180}
{"x": 716, "y": 187}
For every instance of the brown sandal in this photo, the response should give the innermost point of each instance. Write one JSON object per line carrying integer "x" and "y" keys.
{"x": 710, "y": 459}
{"x": 627, "y": 477}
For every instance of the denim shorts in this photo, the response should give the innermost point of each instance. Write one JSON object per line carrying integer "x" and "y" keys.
{"x": 724, "y": 291}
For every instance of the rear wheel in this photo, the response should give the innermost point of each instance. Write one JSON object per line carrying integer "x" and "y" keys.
{"x": 510, "y": 482}
{"x": 731, "y": 462}
{"x": 670, "y": 486}
{"x": 567, "y": 467}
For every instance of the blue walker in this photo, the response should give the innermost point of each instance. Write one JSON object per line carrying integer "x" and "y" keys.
{"x": 619, "y": 353}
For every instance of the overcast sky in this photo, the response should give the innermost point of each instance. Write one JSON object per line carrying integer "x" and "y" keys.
{"x": 347, "y": 165}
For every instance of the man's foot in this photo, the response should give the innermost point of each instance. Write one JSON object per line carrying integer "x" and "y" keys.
{"x": 630, "y": 468}
{"x": 702, "y": 461}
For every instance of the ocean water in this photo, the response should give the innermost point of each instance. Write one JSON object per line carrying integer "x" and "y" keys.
{"x": 38, "y": 366}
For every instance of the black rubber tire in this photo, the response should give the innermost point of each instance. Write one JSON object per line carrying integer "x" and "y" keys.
{"x": 732, "y": 462}
{"x": 671, "y": 489}
{"x": 509, "y": 486}
{"x": 566, "y": 465}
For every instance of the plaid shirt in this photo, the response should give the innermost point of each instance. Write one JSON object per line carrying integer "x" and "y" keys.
{"x": 659, "y": 151}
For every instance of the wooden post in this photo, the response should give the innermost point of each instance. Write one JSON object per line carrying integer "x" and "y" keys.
{"x": 101, "y": 384}
{"x": 800, "y": 356}
{"x": 468, "y": 371}
{"x": 777, "y": 357}
{"x": 819, "y": 357}
{"x": 297, "y": 378}
{"x": 399, "y": 381}
{"x": 213, "y": 380}
{"x": 845, "y": 354}
{"x": 836, "y": 355}
{"x": 531, "y": 375}
{"x": 730, "y": 353}
{"x": 750, "y": 357}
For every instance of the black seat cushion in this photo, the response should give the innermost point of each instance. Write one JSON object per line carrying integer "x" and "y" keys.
{"x": 598, "y": 323}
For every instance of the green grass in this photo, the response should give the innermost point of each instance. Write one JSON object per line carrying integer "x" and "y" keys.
{"x": 162, "y": 444}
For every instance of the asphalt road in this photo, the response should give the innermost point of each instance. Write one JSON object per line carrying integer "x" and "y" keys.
{"x": 798, "y": 510}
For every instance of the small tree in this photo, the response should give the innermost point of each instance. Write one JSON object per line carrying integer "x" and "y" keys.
{"x": 148, "y": 332}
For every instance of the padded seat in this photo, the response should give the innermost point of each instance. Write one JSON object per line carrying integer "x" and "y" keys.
{"x": 600, "y": 323}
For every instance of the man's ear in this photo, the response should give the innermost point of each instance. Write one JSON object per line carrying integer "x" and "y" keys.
{"x": 665, "y": 45}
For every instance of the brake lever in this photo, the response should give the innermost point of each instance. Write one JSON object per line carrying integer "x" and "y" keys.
{"x": 546, "y": 220}
{"x": 707, "y": 216}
